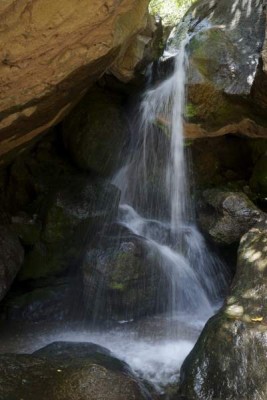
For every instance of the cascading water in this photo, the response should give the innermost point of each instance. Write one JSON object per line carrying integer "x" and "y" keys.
{"x": 156, "y": 206}
{"x": 156, "y": 209}
{"x": 197, "y": 278}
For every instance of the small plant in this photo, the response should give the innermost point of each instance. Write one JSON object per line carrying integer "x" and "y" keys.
{"x": 171, "y": 11}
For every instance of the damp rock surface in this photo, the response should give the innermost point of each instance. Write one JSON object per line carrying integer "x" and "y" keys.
{"x": 229, "y": 359}
{"x": 69, "y": 371}
{"x": 122, "y": 280}
{"x": 228, "y": 215}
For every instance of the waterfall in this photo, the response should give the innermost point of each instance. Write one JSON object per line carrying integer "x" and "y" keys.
{"x": 196, "y": 277}
{"x": 166, "y": 103}
{"x": 157, "y": 213}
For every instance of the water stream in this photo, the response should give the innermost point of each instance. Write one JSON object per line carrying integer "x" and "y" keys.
{"x": 155, "y": 199}
{"x": 156, "y": 206}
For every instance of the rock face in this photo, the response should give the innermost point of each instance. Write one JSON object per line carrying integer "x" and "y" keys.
{"x": 54, "y": 208}
{"x": 229, "y": 359}
{"x": 11, "y": 258}
{"x": 229, "y": 215}
{"x": 226, "y": 83}
{"x": 69, "y": 371}
{"x": 54, "y": 211}
{"x": 51, "y": 53}
{"x": 145, "y": 48}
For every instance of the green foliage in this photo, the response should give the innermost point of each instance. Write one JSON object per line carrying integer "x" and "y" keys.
{"x": 171, "y": 11}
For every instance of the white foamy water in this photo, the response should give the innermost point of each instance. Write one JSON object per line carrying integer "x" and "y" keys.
{"x": 152, "y": 355}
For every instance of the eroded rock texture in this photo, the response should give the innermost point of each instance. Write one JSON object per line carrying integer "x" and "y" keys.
{"x": 51, "y": 52}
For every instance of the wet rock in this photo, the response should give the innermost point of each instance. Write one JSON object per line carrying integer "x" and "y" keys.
{"x": 11, "y": 258}
{"x": 45, "y": 303}
{"x": 229, "y": 359}
{"x": 95, "y": 131}
{"x": 123, "y": 280}
{"x": 228, "y": 215}
{"x": 69, "y": 371}
{"x": 74, "y": 210}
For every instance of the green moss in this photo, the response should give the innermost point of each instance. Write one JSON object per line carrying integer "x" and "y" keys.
{"x": 191, "y": 110}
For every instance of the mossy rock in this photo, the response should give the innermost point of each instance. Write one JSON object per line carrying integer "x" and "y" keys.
{"x": 95, "y": 131}
{"x": 214, "y": 56}
{"x": 225, "y": 80}
{"x": 75, "y": 211}
{"x": 122, "y": 280}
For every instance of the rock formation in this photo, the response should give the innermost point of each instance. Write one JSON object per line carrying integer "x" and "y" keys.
{"x": 51, "y": 53}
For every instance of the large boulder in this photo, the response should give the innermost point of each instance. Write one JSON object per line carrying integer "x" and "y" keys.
{"x": 228, "y": 215}
{"x": 76, "y": 209}
{"x": 123, "y": 279}
{"x": 226, "y": 83}
{"x": 69, "y": 371}
{"x": 229, "y": 359}
{"x": 52, "y": 52}
{"x": 11, "y": 258}
{"x": 54, "y": 302}
{"x": 95, "y": 131}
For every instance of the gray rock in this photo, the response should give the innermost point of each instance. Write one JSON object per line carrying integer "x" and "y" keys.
{"x": 225, "y": 70}
{"x": 229, "y": 215}
{"x": 227, "y": 42}
{"x": 229, "y": 359}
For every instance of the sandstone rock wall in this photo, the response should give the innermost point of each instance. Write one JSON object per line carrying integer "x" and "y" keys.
{"x": 51, "y": 52}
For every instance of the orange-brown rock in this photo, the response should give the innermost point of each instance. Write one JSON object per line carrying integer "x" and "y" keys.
{"x": 246, "y": 128}
{"x": 51, "y": 52}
